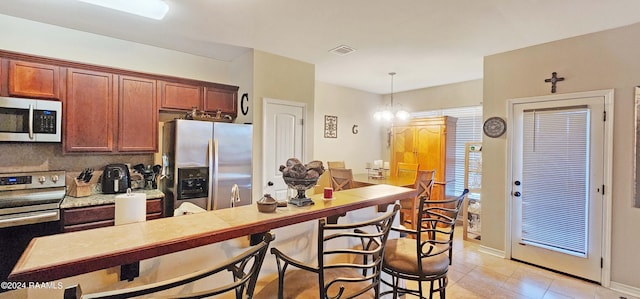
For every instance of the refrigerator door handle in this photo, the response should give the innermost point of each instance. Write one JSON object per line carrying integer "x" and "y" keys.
{"x": 212, "y": 201}
{"x": 210, "y": 173}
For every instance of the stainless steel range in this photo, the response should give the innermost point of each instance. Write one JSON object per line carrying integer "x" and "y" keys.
{"x": 29, "y": 207}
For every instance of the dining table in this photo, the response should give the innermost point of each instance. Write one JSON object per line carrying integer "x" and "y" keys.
{"x": 65, "y": 255}
{"x": 366, "y": 179}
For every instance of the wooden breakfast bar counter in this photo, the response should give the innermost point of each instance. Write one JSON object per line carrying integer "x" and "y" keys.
{"x": 69, "y": 254}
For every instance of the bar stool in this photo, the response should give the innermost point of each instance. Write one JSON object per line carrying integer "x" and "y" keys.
{"x": 349, "y": 262}
{"x": 244, "y": 280}
{"x": 425, "y": 257}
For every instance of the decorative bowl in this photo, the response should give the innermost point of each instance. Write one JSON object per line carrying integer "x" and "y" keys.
{"x": 300, "y": 185}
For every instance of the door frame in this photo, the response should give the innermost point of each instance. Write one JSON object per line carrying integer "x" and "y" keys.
{"x": 265, "y": 103}
{"x": 608, "y": 95}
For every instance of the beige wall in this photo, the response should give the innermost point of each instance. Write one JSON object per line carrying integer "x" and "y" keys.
{"x": 352, "y": 107}
{"x": 462, "y": 94}
{"x": 597, "y": 61}
{"x": 242, "y": 76}
{"x": 281, "y": 78}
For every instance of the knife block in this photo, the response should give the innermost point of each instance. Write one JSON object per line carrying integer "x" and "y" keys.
{"x": 78, "y": 188}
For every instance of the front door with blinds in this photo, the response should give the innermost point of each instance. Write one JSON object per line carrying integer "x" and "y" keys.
{"x": 557, "y": 185}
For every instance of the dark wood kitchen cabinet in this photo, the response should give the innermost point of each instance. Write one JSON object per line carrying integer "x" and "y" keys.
{"x": 108, "y": 110}
{"x": 221, "y": 99}
{"x": 75, "y": 219}
{"x": 109, "y": 113}
{"x": 90, "y": 114}
{"x": 138, "y": 115}
{"x": 33, "y": 80}
{"x": 180, "y": 96}
{"x": 211, "y": 99}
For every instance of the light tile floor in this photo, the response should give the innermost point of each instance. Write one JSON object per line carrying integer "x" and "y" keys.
{"x": 475, "y": 274}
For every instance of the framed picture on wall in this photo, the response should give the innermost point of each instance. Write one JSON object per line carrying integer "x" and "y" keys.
{"x": 330, "y": 126}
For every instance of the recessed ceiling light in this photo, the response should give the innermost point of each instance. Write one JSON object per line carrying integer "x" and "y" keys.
{"x": 153, "y": 9}
{"x": 342, "y": 50}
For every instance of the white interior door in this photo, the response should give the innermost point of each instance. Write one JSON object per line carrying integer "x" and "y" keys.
{"x": 557, "y": 196}
{"x": 282, "y": 139}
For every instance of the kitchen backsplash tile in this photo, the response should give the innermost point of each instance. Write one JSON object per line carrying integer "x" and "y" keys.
{"x": 20, "y": 157}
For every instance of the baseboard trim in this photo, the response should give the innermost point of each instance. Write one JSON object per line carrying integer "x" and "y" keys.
{"x": 492, "y": 251}
{"x": 623, "y": 288}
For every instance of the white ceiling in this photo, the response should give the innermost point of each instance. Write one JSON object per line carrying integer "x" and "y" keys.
{"x": 427, "y": 42}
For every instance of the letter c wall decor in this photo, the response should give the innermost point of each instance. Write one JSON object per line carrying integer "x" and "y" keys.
{"x": 243, "y": 108}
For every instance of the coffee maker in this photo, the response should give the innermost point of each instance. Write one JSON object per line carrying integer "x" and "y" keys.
{"x": 149, "y": 173}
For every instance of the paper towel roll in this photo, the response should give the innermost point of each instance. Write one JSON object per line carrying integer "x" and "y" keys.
{"x": 130, "y": 208}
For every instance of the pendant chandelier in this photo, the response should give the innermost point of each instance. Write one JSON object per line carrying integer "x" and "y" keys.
{"x": 389, "y": 113}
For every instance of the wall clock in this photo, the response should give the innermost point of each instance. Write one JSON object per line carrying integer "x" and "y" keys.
{"x": 494, "y": 127}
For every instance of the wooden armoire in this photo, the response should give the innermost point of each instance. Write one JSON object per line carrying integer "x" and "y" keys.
{"x": 430, "y": 142}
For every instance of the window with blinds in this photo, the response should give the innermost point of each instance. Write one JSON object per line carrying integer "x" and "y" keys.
{"x": 468, "y": 129}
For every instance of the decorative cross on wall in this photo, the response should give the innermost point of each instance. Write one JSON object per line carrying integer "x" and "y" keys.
{"x": 554, "y": 79}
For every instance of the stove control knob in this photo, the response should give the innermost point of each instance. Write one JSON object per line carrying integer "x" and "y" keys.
{"x": 54, "y": 178}
{"x": 42, "y": 179}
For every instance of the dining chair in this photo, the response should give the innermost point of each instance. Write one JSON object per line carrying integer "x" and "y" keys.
{"x": 325, "y": 180}
{"x": 424, "y": 186}
{"x": 244, "y": 269}
{"x": 349, "y": 263}
{"x": 406, "y": 169}
{"x": 426, "y": 256}
{"x": 341, "y": 178}
{"x": 335, "y": 164}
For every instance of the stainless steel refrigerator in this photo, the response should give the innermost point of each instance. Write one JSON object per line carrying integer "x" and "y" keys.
{"x": 206, "y": 163}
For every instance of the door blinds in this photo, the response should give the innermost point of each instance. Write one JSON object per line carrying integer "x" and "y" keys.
{"x": 555, "y": 179}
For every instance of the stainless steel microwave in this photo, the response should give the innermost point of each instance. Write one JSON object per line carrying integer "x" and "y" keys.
{"x": 27, "y": 120}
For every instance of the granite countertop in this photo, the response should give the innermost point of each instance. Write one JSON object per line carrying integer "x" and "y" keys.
{"x": 97, "y": 198}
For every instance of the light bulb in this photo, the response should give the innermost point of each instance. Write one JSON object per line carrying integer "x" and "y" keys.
{"x": 387, "y": 115}
{"x": 402, "y": 115}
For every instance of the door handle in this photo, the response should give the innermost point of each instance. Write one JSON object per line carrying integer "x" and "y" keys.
{"x": 517, "y": 194}
{"x": 269, "y": 183}
{"x": 30, "y": 121}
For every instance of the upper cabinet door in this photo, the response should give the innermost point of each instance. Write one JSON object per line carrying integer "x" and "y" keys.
{"x": 180, "y": 96}
{"x": 90, "y": 112}
{"x": 34, "y": 80}
{"x": 138, "y": 125}
{"x": 221, "y": 99}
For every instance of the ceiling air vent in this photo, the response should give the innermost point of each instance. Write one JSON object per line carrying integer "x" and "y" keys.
{"x": 342, "y": 50}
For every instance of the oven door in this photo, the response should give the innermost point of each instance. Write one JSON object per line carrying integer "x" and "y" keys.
{"x": 15, "y": 239}
{"x": 29, "y": 218}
